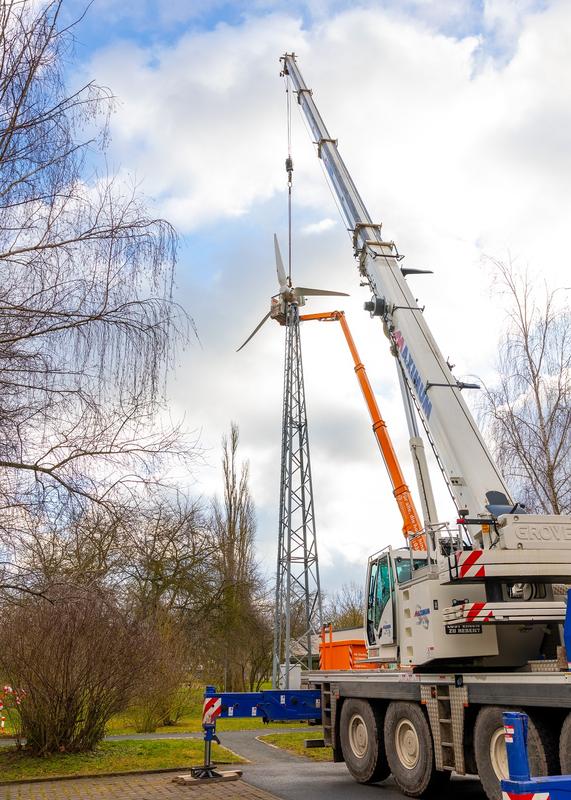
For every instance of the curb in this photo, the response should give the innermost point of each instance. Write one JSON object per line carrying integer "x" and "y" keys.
{"x": 269, "y": 744}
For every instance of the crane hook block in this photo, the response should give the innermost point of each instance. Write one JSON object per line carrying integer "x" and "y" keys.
{"x": 289, "y": 164}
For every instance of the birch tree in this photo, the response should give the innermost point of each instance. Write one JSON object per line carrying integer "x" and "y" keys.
{"x": 527, "y": 410}
{"x": 87, "y": 320}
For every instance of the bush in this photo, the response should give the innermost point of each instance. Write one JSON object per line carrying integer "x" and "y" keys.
{"x": 161, "y": 698}
{"x": 182, "y": 703}
{"x": 80, "y": 660}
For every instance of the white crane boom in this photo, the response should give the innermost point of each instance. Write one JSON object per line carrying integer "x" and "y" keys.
{"x": 473, "y": 476}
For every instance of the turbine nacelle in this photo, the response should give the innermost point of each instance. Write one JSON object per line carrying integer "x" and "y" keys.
{"x": 280, "y": 302}
{"x": 287, "y": 295}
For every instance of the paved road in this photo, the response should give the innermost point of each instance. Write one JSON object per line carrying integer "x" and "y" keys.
{"x": 293, "y": 777}
{"x": 325, "y": 781}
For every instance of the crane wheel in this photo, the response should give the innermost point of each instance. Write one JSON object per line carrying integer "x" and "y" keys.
{"x": 410, "y": 751}
{"x": 361, "y": 734}
{"x": 490, "y": 748}
{"x": 565, "y": 746}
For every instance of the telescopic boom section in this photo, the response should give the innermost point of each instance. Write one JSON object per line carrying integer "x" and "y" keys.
{"x": 468, "y": 466}
{"x": 410, "y": 518}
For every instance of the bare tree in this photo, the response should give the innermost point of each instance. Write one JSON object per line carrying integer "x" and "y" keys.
{"x": 84, "y": 549}
{"x": 168, "y": 557}
{"x": 87, "y": 320}
{"x": 346, "y": 607}
{"x": 527, "y": 411}
{"x": 241, "y": 634}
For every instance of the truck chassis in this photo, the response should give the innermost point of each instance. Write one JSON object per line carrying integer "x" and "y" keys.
{"x": 461, "y": 712}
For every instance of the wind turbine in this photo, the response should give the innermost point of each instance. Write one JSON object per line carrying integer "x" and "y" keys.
{"x": 298, "y": 613}
{"x": 287, "y": 296}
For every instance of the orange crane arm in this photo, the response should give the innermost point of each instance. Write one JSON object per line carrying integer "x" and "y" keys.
{"x": 411, "y": 520}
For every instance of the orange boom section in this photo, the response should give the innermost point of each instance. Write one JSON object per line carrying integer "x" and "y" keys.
{"x": 412, "y": 526}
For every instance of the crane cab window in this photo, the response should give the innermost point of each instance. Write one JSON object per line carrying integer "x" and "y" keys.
{"x": 403, "y": 567}
{"x": 380, "y": 590}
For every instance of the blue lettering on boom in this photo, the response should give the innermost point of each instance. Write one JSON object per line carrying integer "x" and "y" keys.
{"x": 413, "y": 373}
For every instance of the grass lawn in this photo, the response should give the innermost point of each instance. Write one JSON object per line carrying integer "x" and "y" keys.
{"x": 192, "y": 723}
{"x": 294, "y": 742}
{"x": 111, "y": 757}
{"x": 122, "y": 724}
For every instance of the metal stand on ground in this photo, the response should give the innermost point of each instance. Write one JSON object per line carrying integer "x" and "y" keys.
{"x": 520, "y": 785}
{"x": 211, "y": 709}
{"x": 207, "y": 770}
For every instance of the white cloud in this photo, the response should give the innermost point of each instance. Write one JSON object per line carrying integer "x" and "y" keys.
{"x": 456, "y": 162}
{"x": 200, "y": 117}
{"x": 313, "y": 228}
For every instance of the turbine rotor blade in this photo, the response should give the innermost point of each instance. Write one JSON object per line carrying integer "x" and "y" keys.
{"x": 282, "y": 277}
{"x": 254, "y": 332}
{"x": 317, "y": 292}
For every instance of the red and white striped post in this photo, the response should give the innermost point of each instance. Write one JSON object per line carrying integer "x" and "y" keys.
{"x": 211, "y": 710}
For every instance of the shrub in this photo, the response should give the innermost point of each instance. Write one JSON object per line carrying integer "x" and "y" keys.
{"x": 80, "y": 660}
{"x": 161, "y": 698}
{"x": 181, "y": 703}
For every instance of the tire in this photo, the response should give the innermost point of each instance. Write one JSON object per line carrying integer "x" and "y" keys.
{"x": 361, "y": 734}
{"x": 491, "y": 758}
{"x": 410, "y": 752}
{"x": 565, "y": 746}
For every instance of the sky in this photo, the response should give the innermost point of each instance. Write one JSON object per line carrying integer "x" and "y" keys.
{"x": 454, "y": 119}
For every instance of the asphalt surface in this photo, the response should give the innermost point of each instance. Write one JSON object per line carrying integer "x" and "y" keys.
{"x": 291, "y": 777}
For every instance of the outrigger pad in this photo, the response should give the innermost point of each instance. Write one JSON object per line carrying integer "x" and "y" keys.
{"x": 208, "y": 775}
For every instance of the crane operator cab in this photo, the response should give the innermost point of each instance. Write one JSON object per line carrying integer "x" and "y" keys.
{"x": 386, "y": 568}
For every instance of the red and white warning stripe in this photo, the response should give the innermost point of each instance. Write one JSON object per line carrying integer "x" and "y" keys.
{"x": 477, "y": 612}
{"x": 211, "y": 709}
{"x": 468, "y": 612}
{"x": 525, "y": 796}
{"x": 468, "y": 564}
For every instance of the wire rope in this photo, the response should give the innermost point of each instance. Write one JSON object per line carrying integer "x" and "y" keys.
{"x": 289, "y": 170}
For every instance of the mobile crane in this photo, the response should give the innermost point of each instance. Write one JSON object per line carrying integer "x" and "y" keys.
{"x": 468, "y": 627}
{"x": 471, "y": 625}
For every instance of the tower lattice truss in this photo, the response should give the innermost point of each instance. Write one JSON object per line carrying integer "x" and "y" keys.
{"x": 298, "y": 614}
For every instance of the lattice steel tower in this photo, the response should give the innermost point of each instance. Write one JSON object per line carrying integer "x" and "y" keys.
{"x": 298, "y": 613}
